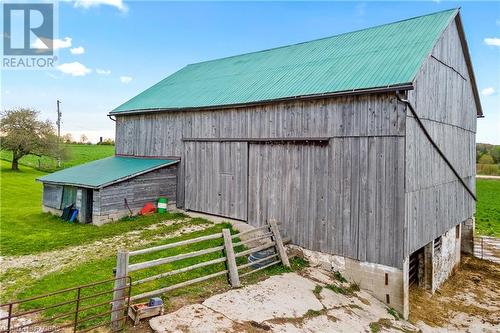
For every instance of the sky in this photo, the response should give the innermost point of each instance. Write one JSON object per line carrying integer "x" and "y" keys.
{"x": 110, "y": 50}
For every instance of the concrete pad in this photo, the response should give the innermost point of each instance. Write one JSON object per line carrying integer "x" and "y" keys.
{"x": 194, "y": 318}
{"x": 285, "y": 296}
{"x": 374, "y": 308}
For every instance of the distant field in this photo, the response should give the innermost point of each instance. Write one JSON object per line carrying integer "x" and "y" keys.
{"x": 488, "y": 207}
{"x": 78, "y": 154}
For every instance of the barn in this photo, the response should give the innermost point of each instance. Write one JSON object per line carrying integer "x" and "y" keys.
{"x": 362, "y": 145}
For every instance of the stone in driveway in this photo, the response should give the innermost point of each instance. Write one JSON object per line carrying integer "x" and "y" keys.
{"x": 194, "y": 318}
{"x": 285, "y": 296}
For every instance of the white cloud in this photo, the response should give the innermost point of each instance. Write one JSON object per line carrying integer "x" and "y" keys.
{"x": 125, "y": 79}
{"x": 77, "y": 50}
{"x": 74, "y": 69}
{"x": 488, "y": 91}
{"x": 492, "y": 41}
{"x": 95, "y": 3}
{"x": 103, "y": 71}
{"x": 56, "y": 43}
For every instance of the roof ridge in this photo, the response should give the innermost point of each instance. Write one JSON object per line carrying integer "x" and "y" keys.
{"x": 457, "y": 9}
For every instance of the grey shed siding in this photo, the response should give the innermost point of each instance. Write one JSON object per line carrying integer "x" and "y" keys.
{"x": 148, "y": 187}
{"x": 363, "y": 161}
{"x": 435, "y": 199}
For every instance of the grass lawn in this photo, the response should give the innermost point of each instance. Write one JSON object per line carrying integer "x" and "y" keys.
{"x": 488, "y": 207}
{"x": 24, "y": 229}
{"x": 78, "y": 154}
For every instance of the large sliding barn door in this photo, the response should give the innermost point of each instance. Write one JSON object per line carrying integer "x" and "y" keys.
{"x": 289, "y": 183}
{"x": 216, "y": 178}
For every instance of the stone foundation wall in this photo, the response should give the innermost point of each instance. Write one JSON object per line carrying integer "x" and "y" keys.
{"x": 445, "y": 258}
{"x": 467, "y": 241}
{"x": 385, "y": 283}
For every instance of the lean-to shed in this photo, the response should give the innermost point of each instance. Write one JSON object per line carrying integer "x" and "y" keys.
{"x": 110, "y": 188}
{"x": 362, "y": 145}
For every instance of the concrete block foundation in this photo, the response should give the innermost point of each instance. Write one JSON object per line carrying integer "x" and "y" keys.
{"x": 385, "y": 283}
{"x": 467, "y": 239}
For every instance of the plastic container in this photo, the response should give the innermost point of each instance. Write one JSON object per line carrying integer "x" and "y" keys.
{"x": 261, "y": 255}
{"x": 162, "y": 205}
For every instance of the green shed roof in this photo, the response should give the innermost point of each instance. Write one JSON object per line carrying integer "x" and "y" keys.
{"x": 385, "y": 56}
{"x": 105, "y": 172}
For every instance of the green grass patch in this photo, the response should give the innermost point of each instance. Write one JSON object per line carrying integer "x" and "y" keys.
{"x": 339, "y": 277}
{"x": 24, "y": 229}
{"x": 374, "y": 327}
{"x": 393, "y": 312}
{"x": 350, "y": 290}
{"x": 78, "y": 154}
{"x": 336, "y": 289}
{"x": 488, "y": 207}
{"x": 317, "y": 290}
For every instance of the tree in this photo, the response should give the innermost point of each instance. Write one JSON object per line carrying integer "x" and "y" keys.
{"x": 22, "y": 133}
{"x": 83, "y": 138}
{"x": 495, "y": 153}
{"x": 486, "y": 159}
{"x": 67, "y": 138}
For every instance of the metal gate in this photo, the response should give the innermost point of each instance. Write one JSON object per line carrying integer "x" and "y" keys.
{"x": 217, "y": 178}
{"x": 79, "y": 309}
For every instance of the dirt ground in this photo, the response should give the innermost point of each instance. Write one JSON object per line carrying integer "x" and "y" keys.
{"x": 469, "y": 301}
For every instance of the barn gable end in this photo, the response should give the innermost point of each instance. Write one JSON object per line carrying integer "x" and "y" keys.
{"x": 444, "y": 99}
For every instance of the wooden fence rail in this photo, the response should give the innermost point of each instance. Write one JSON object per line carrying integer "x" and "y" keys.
{"x": 233, "y": 271}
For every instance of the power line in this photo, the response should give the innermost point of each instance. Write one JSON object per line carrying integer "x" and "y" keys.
{"x": 59, "y": 115}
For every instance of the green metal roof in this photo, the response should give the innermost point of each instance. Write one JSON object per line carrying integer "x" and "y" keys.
{"x": 104, "y": 172}
{"x": 379, "y": 57}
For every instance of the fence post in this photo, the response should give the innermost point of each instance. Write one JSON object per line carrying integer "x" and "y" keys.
{"x": 234, "y": 278}
{"x": 279, "y": 243}
{"x": 77, "y": 308}
{"x": 119, "y": 293}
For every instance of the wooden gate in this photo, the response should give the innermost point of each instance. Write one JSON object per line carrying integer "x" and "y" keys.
{"x": 216, "y": 178}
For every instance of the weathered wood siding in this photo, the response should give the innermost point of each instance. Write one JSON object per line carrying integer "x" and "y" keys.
{"x": 216, "y": 178}
{"x": 346, "y": 198}
{"x": 110, "y": 201}
{"x": 443, "y": 99}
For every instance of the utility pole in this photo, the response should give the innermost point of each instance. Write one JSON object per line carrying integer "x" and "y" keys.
{"x": 59, "y": 114}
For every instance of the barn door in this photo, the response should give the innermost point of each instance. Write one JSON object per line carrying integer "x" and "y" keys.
{"x": 289, "y": 183}
{"x": 216, "y": 178}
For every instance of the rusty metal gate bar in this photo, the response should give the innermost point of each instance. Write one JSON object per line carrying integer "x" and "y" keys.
{"x": 78, "y": 309}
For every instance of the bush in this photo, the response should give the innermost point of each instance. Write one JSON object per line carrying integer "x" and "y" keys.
{"x": 488, "y": 169}
{"x": 486, "y": 159}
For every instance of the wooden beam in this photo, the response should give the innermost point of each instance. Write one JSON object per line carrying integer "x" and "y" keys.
{"x": 279, "y": 243}
{"x": 234, "y": 279}
{"x": 162, "y": 261}
{"x": 172, "y": 245}
{"x": 120, "y": 292}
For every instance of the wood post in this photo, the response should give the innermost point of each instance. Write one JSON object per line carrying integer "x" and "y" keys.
{"x": 234, "y": 278}
{"x": 279, "y": 243}
{"x": 120, "y": 290}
